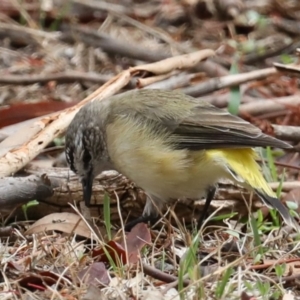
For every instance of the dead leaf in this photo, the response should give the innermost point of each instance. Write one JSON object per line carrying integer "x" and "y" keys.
{"x": 136, "y": 239}
{"x": 19, "y": 112}
{"x": 65, "y": 222}
{"x": 95, "y": 274}
{"x": 112, "y": 250}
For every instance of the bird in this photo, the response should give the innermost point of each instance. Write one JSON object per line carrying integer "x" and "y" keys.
{"x": 171, "y": 145}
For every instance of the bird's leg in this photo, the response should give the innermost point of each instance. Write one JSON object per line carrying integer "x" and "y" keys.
{"x": 150, "y": 213}
{"x": 209, "y": 197}
{"x": 141, "y": 219}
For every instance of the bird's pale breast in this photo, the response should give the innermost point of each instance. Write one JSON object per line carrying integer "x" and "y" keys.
{"x": 149, "y": 159}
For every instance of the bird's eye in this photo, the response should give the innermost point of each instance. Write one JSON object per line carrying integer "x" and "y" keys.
{"x": 86, "y": 157}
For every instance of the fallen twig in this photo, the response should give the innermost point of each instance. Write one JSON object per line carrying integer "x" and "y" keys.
{"x": 64, "y": 77}
{"x": 215, "y": 84}
{"x": 162, "y": 276}
{"x": 132, "y": 50}
{"x": 19, "y": 190}
{"x": 109, "y": 44}
{"x": 269, "y": 105}
{"x": 284, "y": 132}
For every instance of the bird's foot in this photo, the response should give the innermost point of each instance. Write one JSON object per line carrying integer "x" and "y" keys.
{"x": 141, "y": 219}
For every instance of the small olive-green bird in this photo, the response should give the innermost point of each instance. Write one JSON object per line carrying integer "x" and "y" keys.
{"x": 169, "y": 144}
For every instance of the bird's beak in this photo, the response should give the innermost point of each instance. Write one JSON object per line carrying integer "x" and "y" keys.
{"x": 87, "y": 184}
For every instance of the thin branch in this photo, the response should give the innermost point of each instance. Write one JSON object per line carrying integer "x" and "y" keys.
{"x": 109, "y": 44}
{"x": 215, "y": 84}
{"x": 269, "y": 105}
{"x": 162, "y": 276}
{"x": 64, "y": 77}
{"x": 284, "y": 132}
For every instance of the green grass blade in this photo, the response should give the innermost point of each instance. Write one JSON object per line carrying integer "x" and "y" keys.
{"x": 271, "y": 164}
{"x": 235, "y": 93}
{"x": 223, "y": 283}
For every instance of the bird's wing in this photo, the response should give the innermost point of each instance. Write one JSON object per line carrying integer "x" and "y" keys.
{"x": 194, "y": 124}
{"x": 208, "y": 127}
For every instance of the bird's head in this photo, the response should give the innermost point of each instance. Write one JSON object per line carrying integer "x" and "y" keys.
{"x": 86, "y": 151}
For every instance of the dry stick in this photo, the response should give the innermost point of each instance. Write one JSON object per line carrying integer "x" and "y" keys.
{"x": 273, "y": 45}
{"x": 283, "y": 165}
{"x": 209, "y": 67}
{"x": 96, "y": 39}
{"x": 176, "y": 81}
{"x": 22, "y": 147}
{"x": 292, "y": 70}
{"x": 284, "y": 132}
{"x": 25, "y": 35}
{"x": 269, "y": 105}
{"x": 18, "y": 36}
{"x": 64, "y": 77}
{"x": 162, "y": 276}
{"x": 287, "y": 279}
{"x": 215, "y": 84}
{"x": 124, "y": 48}
{"x": 19, "y": 190}
{"x": 109, "y": 44}
{"x": 146, "y": 82}
{"x": 266, "y": 265}
{"x": 182, "y": 62}
{"x": 286, "y": 186}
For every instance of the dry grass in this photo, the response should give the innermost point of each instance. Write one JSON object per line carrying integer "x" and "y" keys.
{"x": 219, "y": 262}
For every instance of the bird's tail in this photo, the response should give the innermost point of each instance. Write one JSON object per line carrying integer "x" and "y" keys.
{"x": 243, "y": 168}
{"x": 273, "y": 202}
